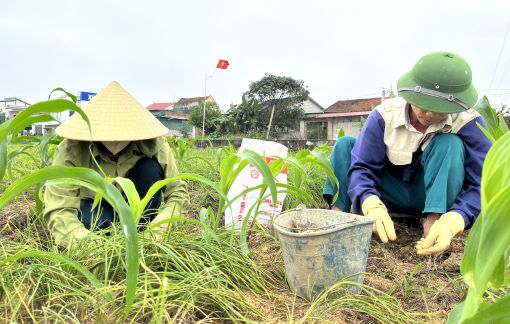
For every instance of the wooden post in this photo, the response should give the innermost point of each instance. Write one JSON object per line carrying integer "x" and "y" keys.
{"x": 270, "y": 120}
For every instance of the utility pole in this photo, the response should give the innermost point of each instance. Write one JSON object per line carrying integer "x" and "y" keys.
{"x": 205, "y": 98}
{"x": 270, "y": 120}
{"x": 383, "y": 97}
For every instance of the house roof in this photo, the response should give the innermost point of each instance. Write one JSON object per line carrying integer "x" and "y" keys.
{"x": 353, "y": 105}
{"x": 159, "y": 106}
{"x": 195, "y": 99}
{"x": 356, "y": 113}
{"x": 14, "y": 98}
{"x": 315, "y": 102}
{"x": 176, "y": 115}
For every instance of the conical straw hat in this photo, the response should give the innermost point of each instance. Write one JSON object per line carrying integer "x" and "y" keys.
{"x": 114, "y": 115}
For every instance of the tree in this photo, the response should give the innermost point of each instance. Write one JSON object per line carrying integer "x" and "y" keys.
{"x": 3, "y": 118}
{"x": 246, "y": 114}
{"x": 212, "y": 111}
{"x": 285, "y": 93}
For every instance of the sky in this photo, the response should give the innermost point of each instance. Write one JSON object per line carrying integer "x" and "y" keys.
{"x": 160, "y": 51}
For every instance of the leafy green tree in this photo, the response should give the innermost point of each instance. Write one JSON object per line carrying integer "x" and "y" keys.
{"x": 3, "y": 118}
{"x": 285, "y": 93}
{"x": 246, "y": 114}
{"x": 212, "y": 111}
{"x": 225, "y": 125}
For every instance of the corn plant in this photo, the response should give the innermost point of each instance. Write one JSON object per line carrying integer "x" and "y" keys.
{"x": 497, "y": 126}
{"x": 24, "y": 119}
{"x": 486, "y": 257}
{"x": 184, "y": 145}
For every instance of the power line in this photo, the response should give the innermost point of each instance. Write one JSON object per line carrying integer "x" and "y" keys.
{"x": 500, "y": 52}
{"x": 503, "y": 76}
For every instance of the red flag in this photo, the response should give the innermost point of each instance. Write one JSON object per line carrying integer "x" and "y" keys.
{"x": 222, "y": 64}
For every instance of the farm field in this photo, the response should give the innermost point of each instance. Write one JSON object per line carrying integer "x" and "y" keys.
{"x": 187, "y": 279}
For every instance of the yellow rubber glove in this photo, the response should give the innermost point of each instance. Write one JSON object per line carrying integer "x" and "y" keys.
{"x": 441, "y": 234}
{"x": 373, "y": 207}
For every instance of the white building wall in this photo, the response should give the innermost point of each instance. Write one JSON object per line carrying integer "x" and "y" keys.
{"x": 310, "y": 108}
{"x": 349, "y": 125}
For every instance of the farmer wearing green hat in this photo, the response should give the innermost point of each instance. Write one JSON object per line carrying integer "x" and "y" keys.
{"x": 420, "y": 153}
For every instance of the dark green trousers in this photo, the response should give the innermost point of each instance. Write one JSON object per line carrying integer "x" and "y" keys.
{"x": 434, "y": 188}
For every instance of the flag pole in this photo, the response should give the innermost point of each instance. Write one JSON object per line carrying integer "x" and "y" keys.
{"x": 205, "y": 98}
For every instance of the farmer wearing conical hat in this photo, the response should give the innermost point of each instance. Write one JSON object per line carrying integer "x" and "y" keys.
{"x": 127, "y": 141}
{"x": 419, "y": 153}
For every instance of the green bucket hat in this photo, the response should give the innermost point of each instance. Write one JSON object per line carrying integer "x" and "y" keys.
{"x": 439, "y": 82}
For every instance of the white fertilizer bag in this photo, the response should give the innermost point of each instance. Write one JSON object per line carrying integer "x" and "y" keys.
{"x": 250, "y": 177}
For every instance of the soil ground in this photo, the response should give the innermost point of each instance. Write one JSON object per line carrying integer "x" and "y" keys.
{"x": 388, "y": 266}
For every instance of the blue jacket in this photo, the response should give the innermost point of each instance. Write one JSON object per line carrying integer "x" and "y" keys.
{"x": 388, "y": 140}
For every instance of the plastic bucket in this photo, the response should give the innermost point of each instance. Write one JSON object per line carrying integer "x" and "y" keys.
{"x": 318, "y": 259}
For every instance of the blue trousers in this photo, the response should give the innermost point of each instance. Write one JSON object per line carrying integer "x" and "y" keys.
{"x": 144, "y": 174}
{"x": 436, "y": 184}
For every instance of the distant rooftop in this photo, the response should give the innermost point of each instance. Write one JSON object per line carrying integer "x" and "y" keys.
{"x": 160, "y": 106}
{"x": 353, "y": 105}
{"x": 195, "y": 99}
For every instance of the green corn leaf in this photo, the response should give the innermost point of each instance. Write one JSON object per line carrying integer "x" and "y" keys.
{"x": 109, "y": 192}
{"x": 493, "y": 242}
{"x": 6, "y": 125}
{"x": 456, "y": 314}
{"x": 58, "y": 257}
{"x": 183, "y": 176}
{"x": 303, "y": 154}
{"x": 276, "y": 166}
{"x": 178, "y": 159}
{"x": 29, "y": 121}
{"x": 226, "y": 169}
{"x": 484, "y": 108}
{"x": 219, "y": 153}
{"x": 296, "y": 163}
{"x": 497, "y": 277}
{"x": 132, "y": 196}
{"x": 73, "y": 97}
{"x": 495, "y": 179}
{"x": 52, "y": 106}
{"x": 3, "y": 158}
{"x": 496, "y": 170}
{"x": 201, "y": 138}
{"x": 467, "y": 267}
{"x": 326, "y": 167}
{"x": 182, "y": 148}
{"x": 50, "y": 134}
{"x": 500, "y": 133}
{"x": 341, "y": 133}
{"x": 502, "y": 124}
{"x": 39, "y": 202}
{"x": 260, "y": 164}
{"x": 491, "y": 313}
{"x": 295, "y": 191}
